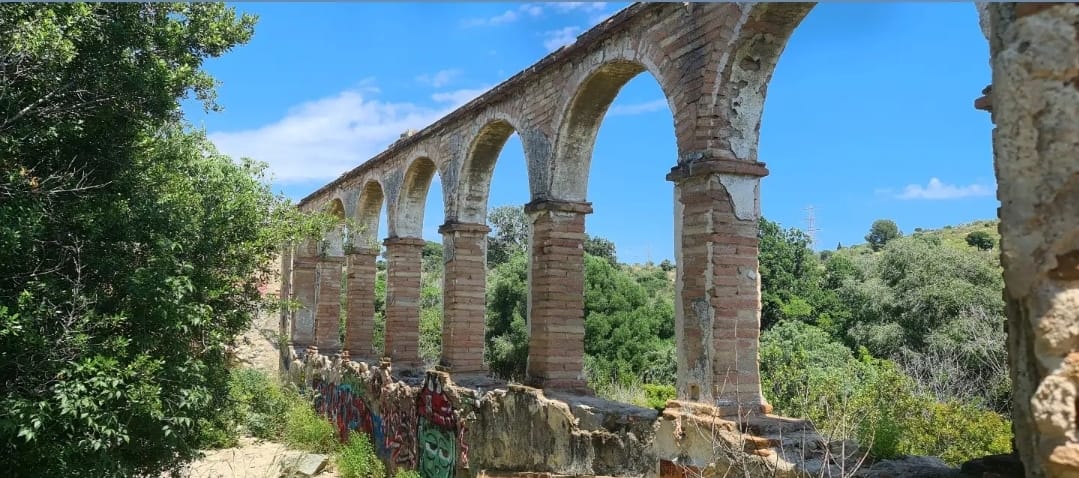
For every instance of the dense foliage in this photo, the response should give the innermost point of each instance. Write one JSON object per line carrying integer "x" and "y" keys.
{"x": 131, "y": 251}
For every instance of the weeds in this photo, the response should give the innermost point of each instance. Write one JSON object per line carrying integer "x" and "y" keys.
{"x": 357, "y": 459}
{"x": 306, "y": 430}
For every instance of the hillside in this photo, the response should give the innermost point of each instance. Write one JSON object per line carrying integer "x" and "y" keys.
{"x": 953, "y": 236}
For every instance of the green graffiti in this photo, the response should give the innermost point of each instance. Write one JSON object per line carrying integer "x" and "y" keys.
{"x": 438, "y": 451}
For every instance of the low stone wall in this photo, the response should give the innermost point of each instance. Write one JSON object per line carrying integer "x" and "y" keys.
{"x": 484, "y": 427}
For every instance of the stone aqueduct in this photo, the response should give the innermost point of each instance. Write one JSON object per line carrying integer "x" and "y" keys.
{"x": 713, "y": 62}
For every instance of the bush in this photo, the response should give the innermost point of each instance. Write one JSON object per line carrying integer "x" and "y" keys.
{"x": 657, "y": 395}
{"x": 357, "y": 458}
{"x": 261, "y": 402}
{"x": 806, "y": 374}
{"x": 306, "y": 430}
{"x": 956, "y": 432}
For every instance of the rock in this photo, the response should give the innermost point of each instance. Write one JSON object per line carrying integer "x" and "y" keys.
{"x": 910, "y": 467}
{"x": 303, "y": 465}
{"x": 1004, "y": 466}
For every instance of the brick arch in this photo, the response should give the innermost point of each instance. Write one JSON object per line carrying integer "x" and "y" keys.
{"x": 581, "y": 119}
{"x": 413, "y": 197}
{"x": 368, "y": 212}
{"x": 474, "y": 185}
{"x": 334, "y": 239}
{"x": 336, "y": 207}
{"x": 743, "y": 78}
{"x": 742, "y": 82}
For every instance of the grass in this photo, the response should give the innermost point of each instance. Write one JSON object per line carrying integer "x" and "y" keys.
{"x": 357, "y": 459}
{"x": 306, "y": 430}
{"x": 640, "y": 394}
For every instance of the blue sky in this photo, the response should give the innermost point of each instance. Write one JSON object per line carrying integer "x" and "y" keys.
{"x": 870, "y": 113}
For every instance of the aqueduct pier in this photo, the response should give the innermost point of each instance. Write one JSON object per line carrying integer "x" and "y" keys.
{"x": 713, "y": 62}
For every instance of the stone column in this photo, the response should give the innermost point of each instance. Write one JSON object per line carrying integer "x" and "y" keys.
{"x": 1035, "y": 109}
{"x": 717, "y": 288}
{"x": 404, "y": 256}
{"x": 556, "y": 294}
{"x": 463, "y": 295}
{"x": 360, "y": 320}
{"x": 303, "y": 288}
{"x": 328, "y": 309}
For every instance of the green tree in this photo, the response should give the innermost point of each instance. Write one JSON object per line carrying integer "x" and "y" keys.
{"x": 131, "y": 250}
{"x": 981, "y": 239}
{"x": 600, "y": 247}
{"x": 510, "y": 228}
{"x": 506, "y": 333}
{"x": 791, "y": 275}
{"x": 882, "y": 231}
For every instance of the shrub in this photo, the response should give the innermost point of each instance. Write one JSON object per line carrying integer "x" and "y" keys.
{"x": 357, "y": 458}
{"x": 305, "y": 429}
{"x": 261, "y": 402}
{"x": 657, "y": 395}
{"x": 956, "y": 432}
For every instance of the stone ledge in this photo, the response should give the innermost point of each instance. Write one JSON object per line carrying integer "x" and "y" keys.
{"x": 556, "y": 205}
{"x": 717, "y": 166}
{"x": 404, "y": 241}
{"x": 454, "y": 226}
{"x": 362, "y": 251}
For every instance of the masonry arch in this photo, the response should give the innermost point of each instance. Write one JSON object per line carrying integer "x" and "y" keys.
{"x": 478, "y": 169}
{"x": 412, "y": 199}
{"x": 745, "y": 82}
{"x": 581, "y": 120}
{"x": 744, "y": 79}
{"x": 368, "y": 214}
{"x": 335, "y": 237}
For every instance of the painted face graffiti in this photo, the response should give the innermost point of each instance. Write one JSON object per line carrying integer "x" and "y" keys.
{"x": 438, "y": 451}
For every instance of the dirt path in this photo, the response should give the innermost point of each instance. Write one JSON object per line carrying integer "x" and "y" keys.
{"x": 252, "y": 458}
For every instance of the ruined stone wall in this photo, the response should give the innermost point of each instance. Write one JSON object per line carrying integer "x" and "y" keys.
{"x": 483, "y": 427}
{"x": 1035, "y": 107}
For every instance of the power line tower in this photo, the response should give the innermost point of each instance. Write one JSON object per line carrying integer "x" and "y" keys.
{"x": 811, "y": 226}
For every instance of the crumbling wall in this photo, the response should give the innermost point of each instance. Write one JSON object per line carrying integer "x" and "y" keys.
{"x": 1035, "y": 107}
{"x": 484, "y": 427}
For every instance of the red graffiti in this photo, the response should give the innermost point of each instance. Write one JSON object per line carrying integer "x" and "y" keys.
{"x": 433, "y": 404}
{"x": 399, "y": 428}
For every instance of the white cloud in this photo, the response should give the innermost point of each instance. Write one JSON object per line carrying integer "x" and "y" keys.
{"x": 939, "y": 190}
{"x": 324, "y": 138}
{"x": 638, "y": 108}
{"x": 578, "y": 6}
{"x": 509, "y": 16}
{"x": 556, "y": 39}
{"x": 458, "y": 98}
{"x": 532, "y": 9}
{"x": 537, "y": 10}
{"x": 440, "y": 78}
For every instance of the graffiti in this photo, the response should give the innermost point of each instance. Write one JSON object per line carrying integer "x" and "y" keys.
{"x": 441, "y": 439}
{"x": 438, "y": 451}
{"x": 344, "y": 408}
{"x": 399, "y": 429}
{"x": 421, "y": 431}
